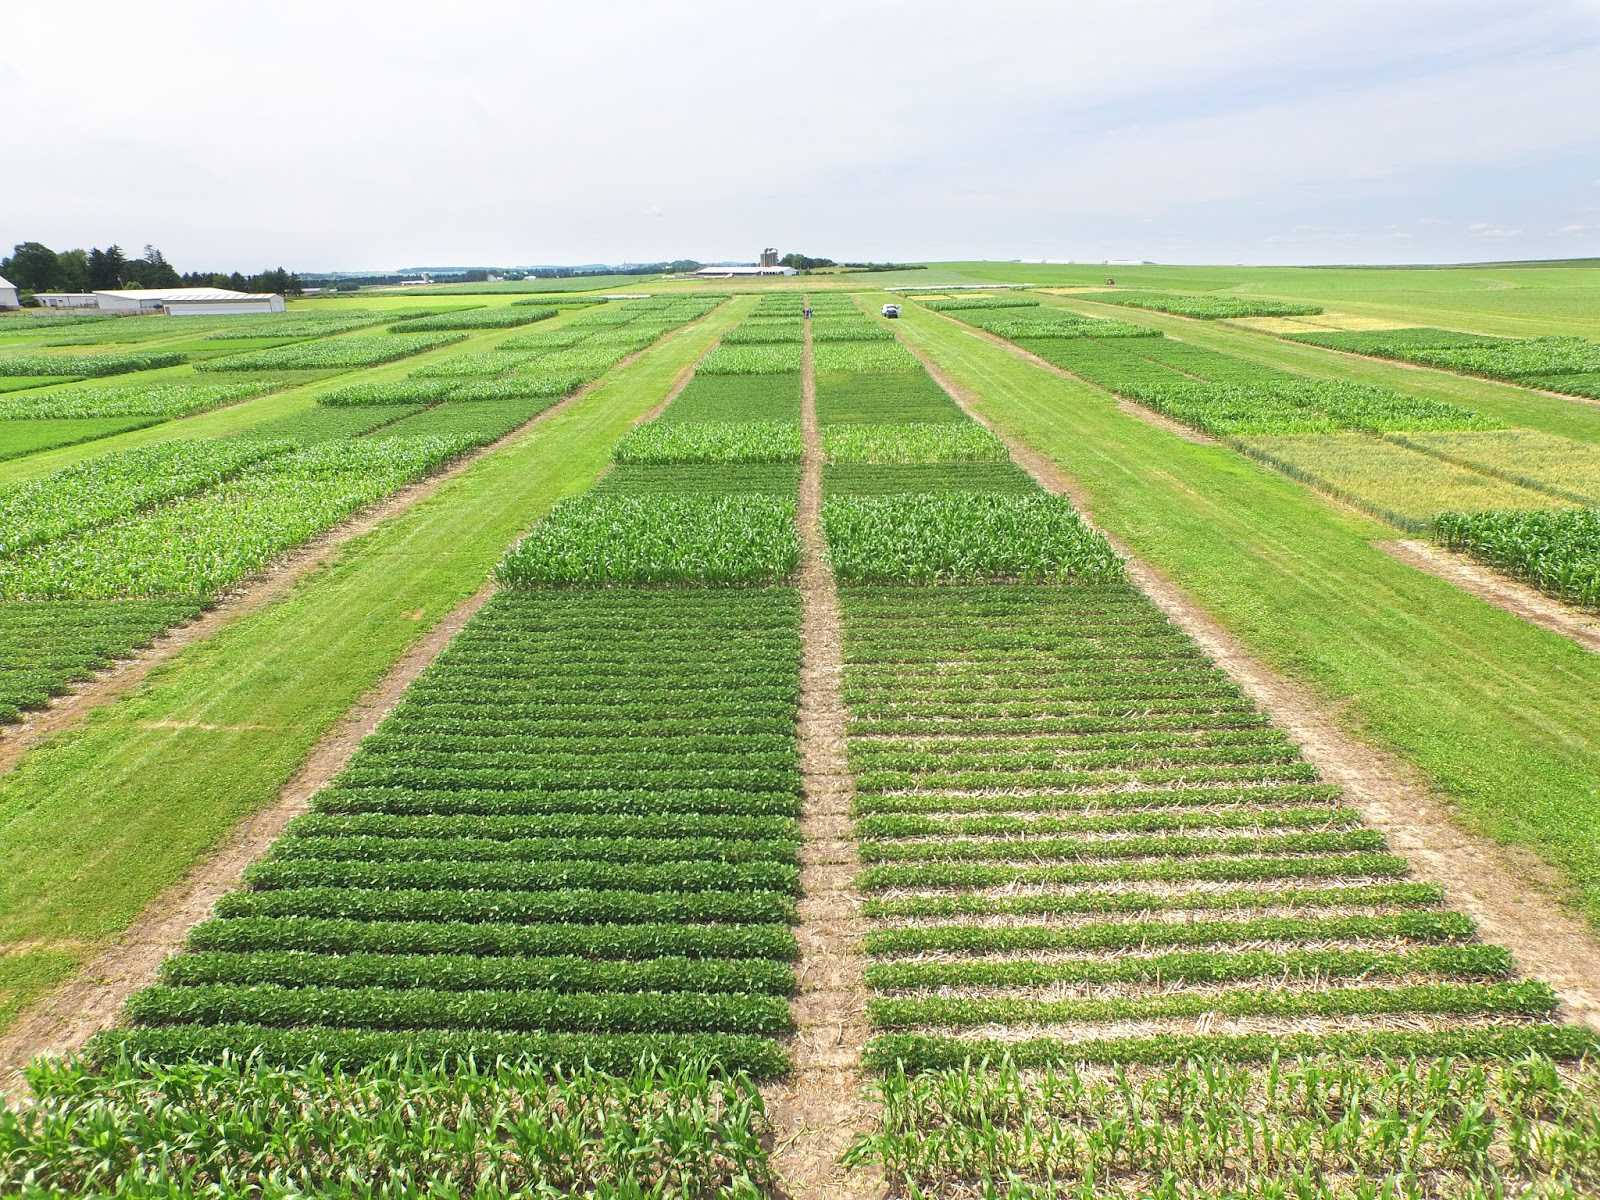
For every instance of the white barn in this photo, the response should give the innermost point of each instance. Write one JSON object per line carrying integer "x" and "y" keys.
{"x": 67, "y": 299}
{"x": 245, "y": 302}
{"x": 195, "y": 301}
{"x": 742, "y": 272}
{"x": 8, "y": 294}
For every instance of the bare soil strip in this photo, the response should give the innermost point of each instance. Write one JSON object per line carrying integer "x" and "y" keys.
{"x": 273, "y": 584}
{"x": 819, "y": 1109}
{"x": 1494, "y": 885}
{"x": 64, "y": 1020}
{"x": 1493, "y": 588}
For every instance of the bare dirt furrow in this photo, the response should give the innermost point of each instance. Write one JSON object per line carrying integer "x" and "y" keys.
{"x": 1488, "y": 882}
{"x": 820, "y": 1108}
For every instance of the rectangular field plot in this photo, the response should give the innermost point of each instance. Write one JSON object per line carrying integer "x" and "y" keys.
{"x": 878, "y": 398}
{"x": 737, "y": 398}
{"x": 574, "y": 840}
{"x": 1560, "y": 466}
{"x": 1205, "y": 308}
{"x": 1085, "y": 846}
{"x": 701, "y": 479}
{"x": 1399, "y": 484}
{"x": 1558, "y": 551}
{"x": 857, "y": 479}
{"x": 19, "y": 438}
{"x": 44, "y": 647}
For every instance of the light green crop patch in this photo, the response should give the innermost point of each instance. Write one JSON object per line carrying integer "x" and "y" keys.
{"x": 662, "y": 442}
{"x": 739, "y": 539}
{"x": 1403, "y": 486}
{"x": 913, "y": 444}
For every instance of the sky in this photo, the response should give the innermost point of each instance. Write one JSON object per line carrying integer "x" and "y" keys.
{"x": 360, "y": 135}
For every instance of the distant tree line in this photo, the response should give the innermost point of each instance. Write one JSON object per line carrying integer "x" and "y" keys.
{"x": 34, "y": 267}
{"x": 804, "y": 262}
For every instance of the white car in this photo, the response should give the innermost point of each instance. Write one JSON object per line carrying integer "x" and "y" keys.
{"x": 891, "y": 310}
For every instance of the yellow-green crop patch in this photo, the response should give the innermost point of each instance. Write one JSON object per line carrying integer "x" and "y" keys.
{"x": 1403, "y": 486}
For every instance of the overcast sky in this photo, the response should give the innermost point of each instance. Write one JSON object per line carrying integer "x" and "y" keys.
{"x": 351, "y": 134}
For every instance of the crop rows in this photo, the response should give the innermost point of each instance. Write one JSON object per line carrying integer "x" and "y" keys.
{"x": 165, "y": 529}
{"x": 1205, "y": 308}
{"x": 506, "y": 317}
{"x": 1087, "y": 857}
{"x": 332, "y": 354}
{"x": 573, "y": 841}
{"x": 157, "y": 400}
{"x": 391, "y": 1129}
{"x": 1563, "y": 364}
{"x": 85, "y": 365}
{"x": 1556, "y": 550}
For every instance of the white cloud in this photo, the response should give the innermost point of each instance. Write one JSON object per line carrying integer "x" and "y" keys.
{"x": 369, "y": 134}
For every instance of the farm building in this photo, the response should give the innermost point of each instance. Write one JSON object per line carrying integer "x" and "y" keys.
{"x": 199, "y": 301}
{"x": 175, "y": 302}
{"x": 742, "y": 272}
{"x": 8, "y": 294}
{"x": 217, "y": 306}
{"x": 67, "y": 299}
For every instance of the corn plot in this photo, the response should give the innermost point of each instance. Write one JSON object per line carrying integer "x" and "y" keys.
{"x": 1115, "y": 916}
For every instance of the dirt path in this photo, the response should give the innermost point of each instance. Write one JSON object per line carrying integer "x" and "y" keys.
{"x": 1493, "y": 588}
{"x": 819, "y": 1109}
{"x": 277, "y": 581}
{"x": 92, "y": 999}
{"x": 1488, "y": 882}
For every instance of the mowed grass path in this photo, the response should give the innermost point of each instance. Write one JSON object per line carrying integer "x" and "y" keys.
{"x": 1500, "y": 715}
{"x": 96, "y": 823}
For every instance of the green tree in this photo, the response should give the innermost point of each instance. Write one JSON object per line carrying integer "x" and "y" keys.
{"x": 108, "y": 269}
{"x": 33, "y": 267}
{"x": 74, "y": 270}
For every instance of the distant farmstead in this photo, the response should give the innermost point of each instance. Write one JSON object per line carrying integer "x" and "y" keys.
{"x": 742, "y": 272}
{"x": 175, "y": 302}
{"x": 8, "y": 294}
